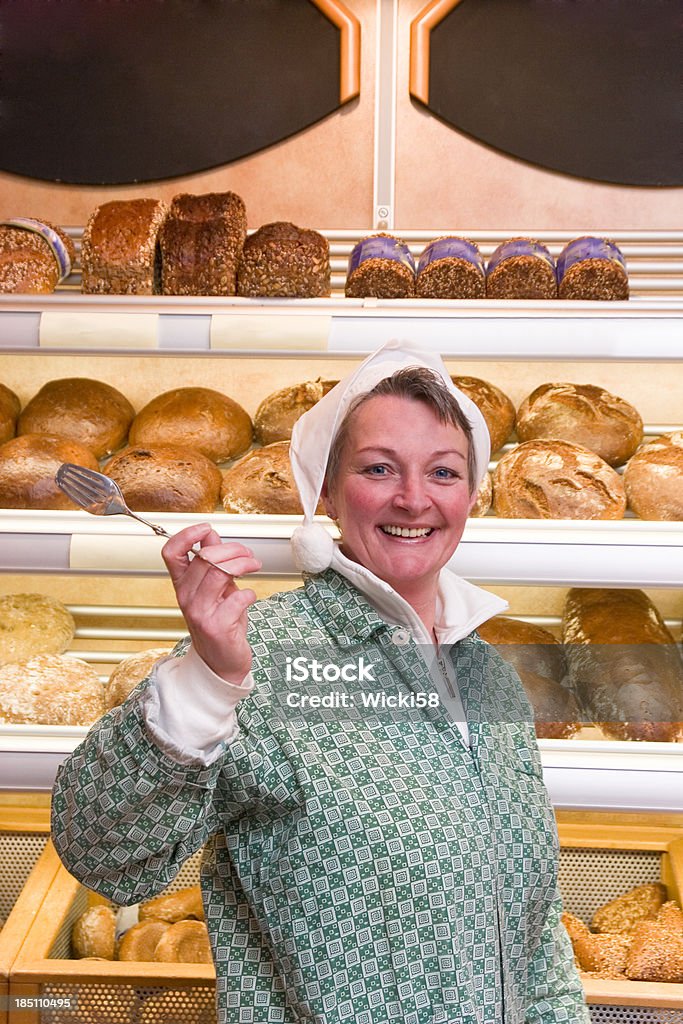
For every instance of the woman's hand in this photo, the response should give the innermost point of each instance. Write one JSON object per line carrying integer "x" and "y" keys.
{"x": 215, "y": 609}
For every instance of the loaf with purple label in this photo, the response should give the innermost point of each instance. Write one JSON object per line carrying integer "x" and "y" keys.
{"x": 35, "y": 256}
{"x": 201, "y": 243}
{"x": 624, "y": 664}
{"x": 547, "y": 479}
{"x": 281, "y": 260}
{"x": 120, "y": 253}
{"x": 451, "y": 268}
{"x": 583, "y": 414}
{"x": 521, "y": 268}
{"x": 593, "y": 269}
{"x": 654, "y": 478}
{"x": 382, "y": 267}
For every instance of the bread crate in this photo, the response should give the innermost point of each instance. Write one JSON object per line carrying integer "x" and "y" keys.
{"x": 101, "y": 991}
{"x": 26, "y": 870}
{"x": 600, "y": 859}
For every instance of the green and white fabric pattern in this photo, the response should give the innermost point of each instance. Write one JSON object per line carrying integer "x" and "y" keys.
{"x": 356, "y": 870}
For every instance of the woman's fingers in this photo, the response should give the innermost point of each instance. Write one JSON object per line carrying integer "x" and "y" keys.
{"x": 232, "y": 556}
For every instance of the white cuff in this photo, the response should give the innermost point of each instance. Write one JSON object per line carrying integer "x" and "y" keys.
{"x": 196, "y": 708}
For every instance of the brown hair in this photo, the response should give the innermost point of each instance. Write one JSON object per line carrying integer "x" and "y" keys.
{"x": 420, "y": 384}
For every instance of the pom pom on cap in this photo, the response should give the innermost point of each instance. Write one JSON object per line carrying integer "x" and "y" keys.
{"x": 313, "y": 547}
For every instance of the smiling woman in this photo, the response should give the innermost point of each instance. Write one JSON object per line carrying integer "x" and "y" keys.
{"x": 382, "y": 849}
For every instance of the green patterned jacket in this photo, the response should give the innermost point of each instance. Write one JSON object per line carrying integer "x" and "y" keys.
{"x": 357, "y": 869}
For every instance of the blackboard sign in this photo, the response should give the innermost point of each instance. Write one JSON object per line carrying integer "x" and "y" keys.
{"x": 119, "y": 91}
{"x": 588, "y": 87}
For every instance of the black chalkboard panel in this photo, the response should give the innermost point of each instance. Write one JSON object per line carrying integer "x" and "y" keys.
{"x": 114, "y": 91}
{"x": 588, "y": 87}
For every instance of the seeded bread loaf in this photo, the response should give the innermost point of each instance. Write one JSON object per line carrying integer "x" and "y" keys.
{"x": 201, "y": 243}
{"x": 380, "y": 266}
{"x": 592, "y": 269}
{"x": 283, "y": 260}
{"x": 521, "y": 268}
{"x": 450, "y": 268}
{"x": 120, "y": 252}
{"x": 34, "y": 256}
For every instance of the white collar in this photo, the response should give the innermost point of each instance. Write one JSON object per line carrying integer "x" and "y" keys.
{"x": 460, "y": 606}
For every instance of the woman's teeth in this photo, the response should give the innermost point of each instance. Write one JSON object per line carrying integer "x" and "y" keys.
{"x": 405, "y": 531}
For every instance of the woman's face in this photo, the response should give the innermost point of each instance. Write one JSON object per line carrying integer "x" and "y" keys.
{"x": 401, "y": 492}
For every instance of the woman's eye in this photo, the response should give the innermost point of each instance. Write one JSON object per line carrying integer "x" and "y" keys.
{"x": 377, "y": 470}
{"x": 443, "y": 473}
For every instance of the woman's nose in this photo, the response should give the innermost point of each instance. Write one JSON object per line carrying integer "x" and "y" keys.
{"x": 412, "y": 494}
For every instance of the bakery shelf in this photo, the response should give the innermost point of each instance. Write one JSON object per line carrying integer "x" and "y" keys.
{"x": 627, "y": 553}
{"x": 645, "y": 327}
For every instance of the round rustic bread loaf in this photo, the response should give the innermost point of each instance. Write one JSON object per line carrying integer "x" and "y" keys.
{"x": 50, "y": 689}
{"x": 281, "y": 259}
{"x": 174, "y": 906}
{"x": 27, "y": 470}
{"x": 262, "y": 482}
{"x": 166, "y": 478}
{"x": 185, "y": 942}
{"x": 29, "y": 262}
{"x": 583, "y": 414}
{"x": 654, "y": 478}
{"x": 10, "y": 407}
{"x": 94, "y": 933}
{"x": 198, "y": 418}
{"x": 556, "y": 480}
{"x": 277, "y": 413}
{"x": 493, "y": 404}
{"x": 88, "y": 411}
{"x": 129, "y": 672}
{"x": 33, "y": 624}
{"x": 140, "y": 941}
{"x": 484, "y": 497}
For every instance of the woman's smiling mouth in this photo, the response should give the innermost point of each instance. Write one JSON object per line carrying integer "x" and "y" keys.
{"x": 407, "y": 531}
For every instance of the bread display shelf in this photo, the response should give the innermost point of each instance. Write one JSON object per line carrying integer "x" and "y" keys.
{"x": 628, "y": 553}
{"x": 645, "y": 327}
{"x": 598, "y": 859}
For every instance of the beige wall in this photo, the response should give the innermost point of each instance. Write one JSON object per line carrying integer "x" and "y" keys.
{"x": 323, "y": 177}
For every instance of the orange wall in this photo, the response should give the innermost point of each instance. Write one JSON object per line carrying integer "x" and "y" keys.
{"x": 323, "y": 177}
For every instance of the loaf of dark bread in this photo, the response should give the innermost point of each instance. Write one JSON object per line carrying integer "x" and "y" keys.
{"x": 624, "y": 664}
{"x": 120, "y": 252}
{"x": 201, "y": 243}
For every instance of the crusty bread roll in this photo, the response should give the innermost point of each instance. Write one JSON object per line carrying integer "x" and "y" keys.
{"x": 140, "y": 941}
{"x": 94, "y": 933}
{"x": 166, "y": 478}
{"x": 538, "y": 658}
{"x": 262, "y": 482}
{"x": 670, "y": 917}
{"x": 10, "y": 408}
{"x": 185, "y": 942}
{"x": 193, "y": 417}
{"x": 27, "y": 470}
{"x": 653, "y": 478}
{"x": 493, "y": 404}
{"x": 174, "y": 906}
{"x": 88, "y": 411}
{"x": 50, "y": 689}
{"x": 602, "y": 952}
{"x": 201, "y": 243}
{"x": 621, "y": 915}
{"x": 34, "y": 256}
{"x": 484, "y": 497}
{"x": 583, "y": 414}
{"x": 32, "y": 624}
{"x": 623, "y": 663}
{"x": 278, "y": 412}
{"x": 129, "y": 672}
{"x": 655, "y": 954}
{"x": 281, "y": 259}
{"x": 120, "y": 253}
{"x": 556, "y": 480}
{"x": 576, "y": 928}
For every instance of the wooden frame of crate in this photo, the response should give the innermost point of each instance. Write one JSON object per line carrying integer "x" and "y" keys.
{"x": 612, "y": 852}
{"x": 28, "y": 868}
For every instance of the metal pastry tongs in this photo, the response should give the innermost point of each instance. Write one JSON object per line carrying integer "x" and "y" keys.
{"x": 101, "y": 496}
